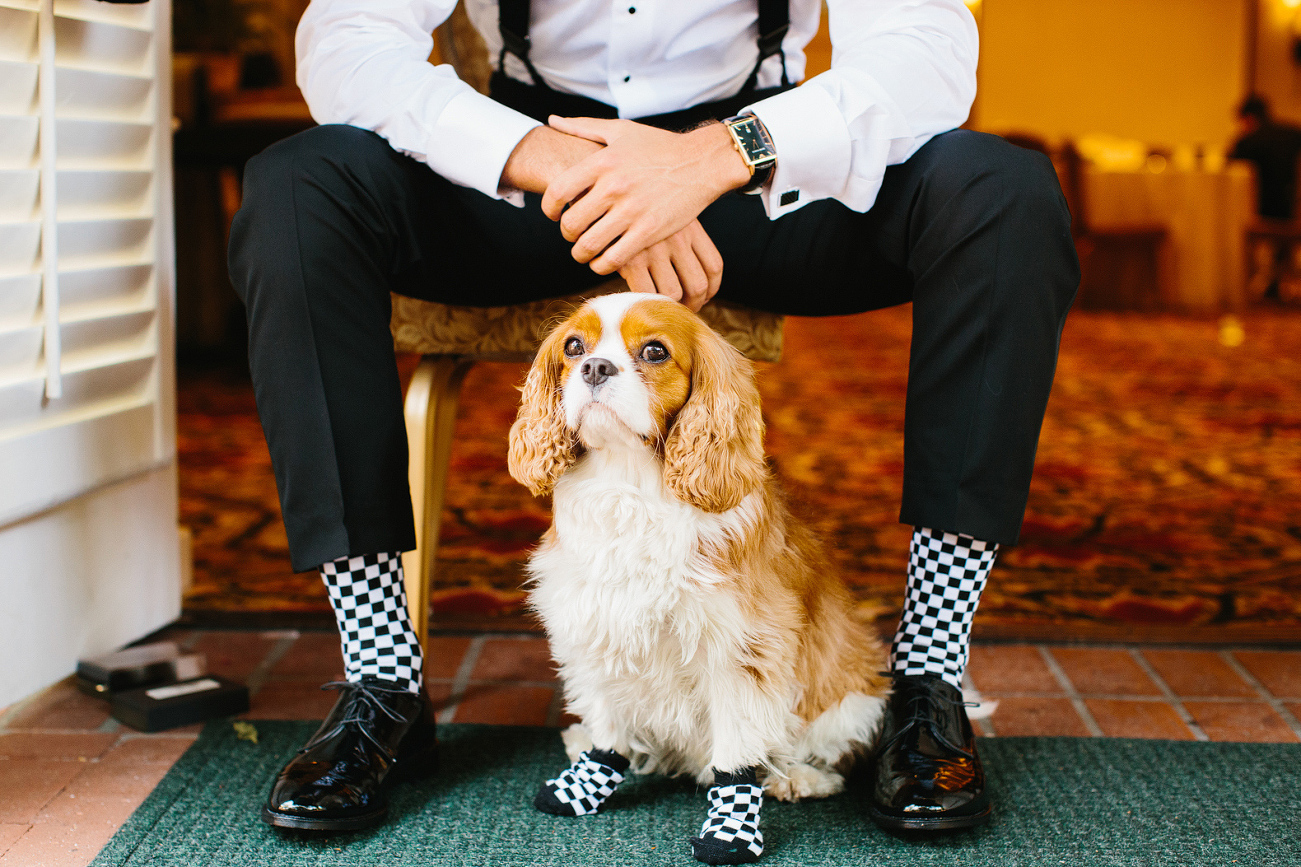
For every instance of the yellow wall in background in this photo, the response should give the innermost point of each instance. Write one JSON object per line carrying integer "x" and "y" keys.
{"x": 1278, "y": 74}
{"x": 1168, "y": 72}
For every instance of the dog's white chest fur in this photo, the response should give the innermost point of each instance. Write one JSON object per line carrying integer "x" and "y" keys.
{"x": 624, "y": 563}
{"x": 617, "y": 523}
{"x": 631, "y": 605}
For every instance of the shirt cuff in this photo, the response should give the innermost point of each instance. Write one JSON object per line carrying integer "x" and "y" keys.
{"x": 813, "y": 148}
{"x": 473, "y": 138}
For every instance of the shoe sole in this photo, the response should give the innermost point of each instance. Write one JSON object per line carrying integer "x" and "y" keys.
{"x": 934, "y": 823}
{"x": 303, "y": 823}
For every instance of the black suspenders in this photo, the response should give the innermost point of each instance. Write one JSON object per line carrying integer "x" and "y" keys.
{"x": 774, "y": 21}
{"x": 513, "y": 21}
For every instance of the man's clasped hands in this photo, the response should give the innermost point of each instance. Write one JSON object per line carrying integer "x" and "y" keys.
{"x": 628, "y": 195}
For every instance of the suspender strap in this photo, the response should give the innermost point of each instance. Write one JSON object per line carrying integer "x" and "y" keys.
{"x": 513, "y": 22}
{"x": 774, "y": 21}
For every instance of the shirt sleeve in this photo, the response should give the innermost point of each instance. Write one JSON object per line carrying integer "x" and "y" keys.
{"x": 901, "y": 72}
{"x": 365, "y": 63}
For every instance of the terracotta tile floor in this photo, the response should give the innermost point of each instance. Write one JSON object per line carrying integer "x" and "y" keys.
{"x": 70, "y": 775}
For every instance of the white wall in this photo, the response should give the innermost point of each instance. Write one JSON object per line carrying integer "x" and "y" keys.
{"x": 1278, "y": 73}
{"x": 86, "y": 577}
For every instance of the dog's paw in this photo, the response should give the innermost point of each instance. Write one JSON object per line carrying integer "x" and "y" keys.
{"x": 577, "y": 741}
{"x": 803, "y": 781}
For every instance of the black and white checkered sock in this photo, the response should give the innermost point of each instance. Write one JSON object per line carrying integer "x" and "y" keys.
{"x": 731, "y": 832}
{"x": 946, "y": 574}
{"x": 370, "y": 604}
{"x": 582, "y": 788}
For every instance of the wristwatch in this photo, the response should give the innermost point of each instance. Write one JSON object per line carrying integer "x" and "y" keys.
{"x": 752, "y": 141}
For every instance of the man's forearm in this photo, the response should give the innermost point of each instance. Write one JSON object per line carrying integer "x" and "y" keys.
{"x": 542, "y": 155}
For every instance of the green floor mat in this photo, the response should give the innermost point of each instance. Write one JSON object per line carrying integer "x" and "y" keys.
{"x": 1079, "y": 802}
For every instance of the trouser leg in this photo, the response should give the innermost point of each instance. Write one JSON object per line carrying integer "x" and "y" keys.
{"x": 309, "y": 263}
{"x": 975, "y": 233}
{"x": 996, "y": 274}
{"x": 333, "y": 220}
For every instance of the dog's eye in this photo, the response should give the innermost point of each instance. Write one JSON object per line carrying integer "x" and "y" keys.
{"x": 654, "y": 352}
{"x": 573, "y": 347}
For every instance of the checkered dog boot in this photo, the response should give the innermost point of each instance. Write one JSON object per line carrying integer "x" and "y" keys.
{"x": 584, "y": 786}
{"x": 731, "y": 832}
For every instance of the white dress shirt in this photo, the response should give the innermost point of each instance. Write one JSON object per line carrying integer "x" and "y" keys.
{"x": 901, "y": 72}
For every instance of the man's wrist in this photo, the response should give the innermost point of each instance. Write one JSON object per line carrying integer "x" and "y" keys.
{"x": 730, "y": 170}
{"x": 541, "y": 155}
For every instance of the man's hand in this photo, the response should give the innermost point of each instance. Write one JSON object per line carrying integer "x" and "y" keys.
{"x": 644, "y": 186}
{"x": 685, "y": 266}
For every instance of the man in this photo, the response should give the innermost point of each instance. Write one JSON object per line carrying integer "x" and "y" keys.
{"x": 1274, "y": 149}
{"x": 863, "y": 197}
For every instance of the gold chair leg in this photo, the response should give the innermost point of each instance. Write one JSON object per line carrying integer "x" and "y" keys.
{"x": 431, "y": 420}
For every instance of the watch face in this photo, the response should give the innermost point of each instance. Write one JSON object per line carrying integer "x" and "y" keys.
{"x": 754, "y": 143}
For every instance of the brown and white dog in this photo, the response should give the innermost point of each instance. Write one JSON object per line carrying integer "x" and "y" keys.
{"x": 696, "y": 624}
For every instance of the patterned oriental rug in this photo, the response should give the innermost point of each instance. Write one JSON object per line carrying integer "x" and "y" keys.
{"x": 1166, "y": 504}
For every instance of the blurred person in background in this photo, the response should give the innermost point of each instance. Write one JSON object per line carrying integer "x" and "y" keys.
{"x": 1274, "y": 148}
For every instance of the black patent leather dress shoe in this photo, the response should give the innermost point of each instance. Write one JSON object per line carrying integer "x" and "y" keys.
{"x": 926, "y": 774}
{"x": 376, "y": 734}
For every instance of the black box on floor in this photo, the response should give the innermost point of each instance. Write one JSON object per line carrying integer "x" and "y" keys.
{"x": 146, "y": 665}
{"x": 154, "y": 709}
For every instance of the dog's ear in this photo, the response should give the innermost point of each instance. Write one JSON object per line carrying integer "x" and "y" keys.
{"x": 541, "y": 445}
{"x": 713, "y": 455}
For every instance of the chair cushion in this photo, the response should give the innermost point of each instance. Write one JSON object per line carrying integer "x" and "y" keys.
{"x": 514, "y": 333}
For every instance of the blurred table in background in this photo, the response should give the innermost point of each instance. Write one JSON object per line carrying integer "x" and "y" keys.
{"x": 1203, "y": 262}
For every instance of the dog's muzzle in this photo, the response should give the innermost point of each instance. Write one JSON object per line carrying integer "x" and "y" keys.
{"x": 596, "y": 371}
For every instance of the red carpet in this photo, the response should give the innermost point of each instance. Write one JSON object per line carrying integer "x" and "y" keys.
{"x": 1166, "y": 503}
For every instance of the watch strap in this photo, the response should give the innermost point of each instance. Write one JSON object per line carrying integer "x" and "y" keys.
{"x": 762, "y": 174}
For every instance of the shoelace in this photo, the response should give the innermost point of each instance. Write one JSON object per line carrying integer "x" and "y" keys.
{"x": 365, "y": 700}
{"x": 927, "y": 695}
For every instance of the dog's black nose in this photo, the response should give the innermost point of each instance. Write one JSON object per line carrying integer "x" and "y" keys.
{"x": 598, "y": 370}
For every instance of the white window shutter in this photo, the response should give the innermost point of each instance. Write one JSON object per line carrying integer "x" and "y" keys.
{"x": 86, "y": 250}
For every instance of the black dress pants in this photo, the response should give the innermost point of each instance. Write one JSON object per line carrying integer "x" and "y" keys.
{"x": 972, "y": 230}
